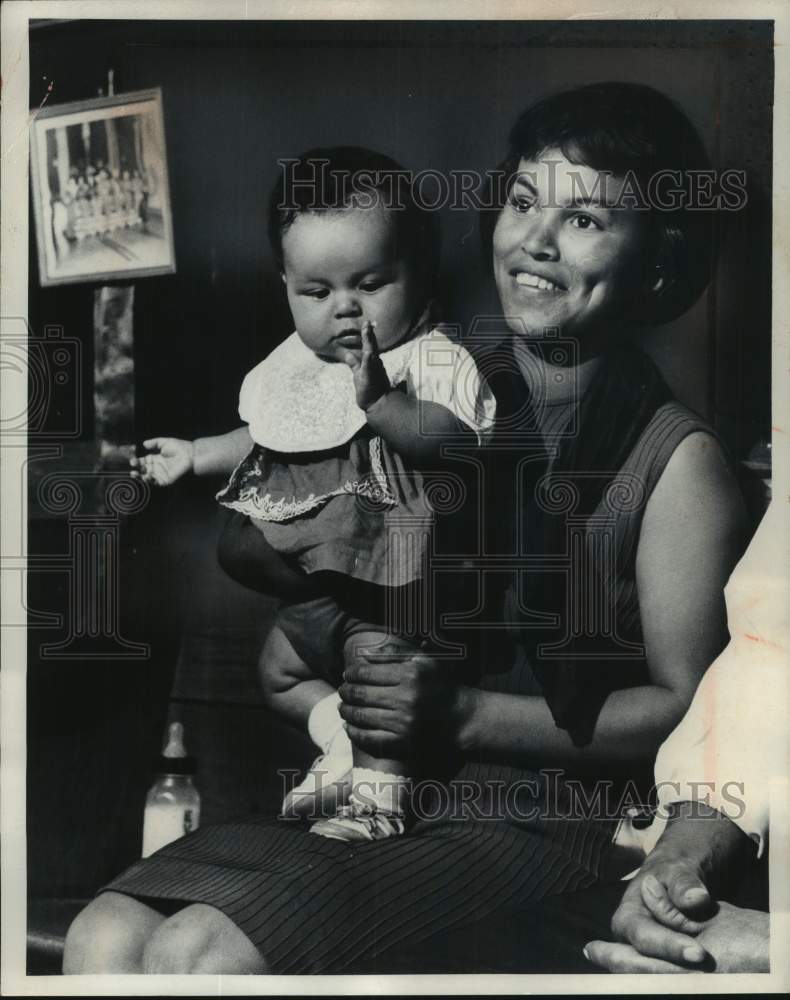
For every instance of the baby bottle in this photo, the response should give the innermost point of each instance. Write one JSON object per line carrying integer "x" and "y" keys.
{"x": 172, "y": 806}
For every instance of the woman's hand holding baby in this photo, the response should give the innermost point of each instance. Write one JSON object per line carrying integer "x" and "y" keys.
{"x": 168, "y": 460}
{"x": 393, "y": 701}
{"x": 370, "y": 377}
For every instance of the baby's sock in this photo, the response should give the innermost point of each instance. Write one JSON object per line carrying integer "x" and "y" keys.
{"x": 326, "y": 784}
{"x": 324, "y": 723}
{"x": 379, "y": 791}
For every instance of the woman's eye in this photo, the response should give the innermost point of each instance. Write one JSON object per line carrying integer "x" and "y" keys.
{"x": 585, "y": 222}
{"x": 521, "y": 203}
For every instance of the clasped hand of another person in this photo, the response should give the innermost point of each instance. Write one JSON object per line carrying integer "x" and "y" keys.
{"x": 668, "y": 921}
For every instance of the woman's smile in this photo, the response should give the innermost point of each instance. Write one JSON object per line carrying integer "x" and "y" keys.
{"x": 561, "y": 257}
{"x": 536, "y": 283}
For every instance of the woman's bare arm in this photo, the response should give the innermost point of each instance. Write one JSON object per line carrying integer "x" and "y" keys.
{"x": 692, "y": 534}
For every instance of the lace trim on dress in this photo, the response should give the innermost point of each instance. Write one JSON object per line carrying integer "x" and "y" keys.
{"x": 264, "y": 508}
{"x": 377, "y": 468}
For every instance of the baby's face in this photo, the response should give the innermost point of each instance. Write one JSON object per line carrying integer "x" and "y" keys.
{"x": 342, "y": 269}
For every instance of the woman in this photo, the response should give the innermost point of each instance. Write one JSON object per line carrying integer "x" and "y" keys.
{"x": 591, "y": 439}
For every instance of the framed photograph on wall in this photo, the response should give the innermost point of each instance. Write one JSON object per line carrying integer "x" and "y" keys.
{"x": 100, "y": 192}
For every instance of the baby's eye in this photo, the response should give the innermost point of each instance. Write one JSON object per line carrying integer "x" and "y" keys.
{"x": 372, "y": 285}
{"x": 316, "y": 293}
{"x": 585, "y": 222}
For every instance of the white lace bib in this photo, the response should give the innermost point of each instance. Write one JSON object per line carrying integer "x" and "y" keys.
{"x": 295, "y": 401}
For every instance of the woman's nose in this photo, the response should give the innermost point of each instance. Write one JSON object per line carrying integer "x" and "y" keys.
{"x": 540, "y": 238}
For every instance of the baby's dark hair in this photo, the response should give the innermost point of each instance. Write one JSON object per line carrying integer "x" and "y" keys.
{"x": 625, "y": 128}
{"x": 335, "y": 178}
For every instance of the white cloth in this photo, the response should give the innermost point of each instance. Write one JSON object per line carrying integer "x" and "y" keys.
{"x": 295, "y": 401}
{"x": 732, "y": 746}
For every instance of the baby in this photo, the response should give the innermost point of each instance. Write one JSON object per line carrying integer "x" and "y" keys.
{"x": 342, "y": 423}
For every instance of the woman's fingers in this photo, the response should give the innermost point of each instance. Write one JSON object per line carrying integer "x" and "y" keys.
{"x": 688, "y": 892}
{"x": 370, "y": 719}
{"x": 634, "y": 924}
{"x": 656, "y": 899}
{"x": 382, "y": 655}
{"x": 375, "y": 696}
{"x": 656, "y": 941}
{"x": 388, "y": 673}
{"x": 624, "y": 958}
{"x": 154, "y": 444}
{"x": 376, "y": 742}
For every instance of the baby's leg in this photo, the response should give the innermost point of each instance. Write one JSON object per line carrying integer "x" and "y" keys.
{"x": 378, "y": 803}
{"x": 292, "y": 690}
{"x": 247, "y": 557}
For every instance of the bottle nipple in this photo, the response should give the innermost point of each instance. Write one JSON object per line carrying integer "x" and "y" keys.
{"x": 175, "y": 741}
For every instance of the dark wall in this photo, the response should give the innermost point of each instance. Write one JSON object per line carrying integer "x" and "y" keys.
{"x": 238, "y": 95}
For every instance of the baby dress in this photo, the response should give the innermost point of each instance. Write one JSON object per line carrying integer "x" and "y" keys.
{"x": 326, "y": 491}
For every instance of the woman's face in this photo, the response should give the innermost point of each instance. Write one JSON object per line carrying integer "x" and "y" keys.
{"x": 564, "y": 255}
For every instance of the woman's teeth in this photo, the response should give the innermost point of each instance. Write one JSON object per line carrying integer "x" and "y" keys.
{"x": 533, "y": 281}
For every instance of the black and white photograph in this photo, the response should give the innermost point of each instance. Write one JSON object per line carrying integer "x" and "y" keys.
{"x": 100, "y": 190}
{"x": 396, "y": 592}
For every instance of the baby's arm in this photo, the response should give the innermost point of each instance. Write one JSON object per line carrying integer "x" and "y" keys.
{"x": 415, "y": 428}
{"x": 171, "y": 458}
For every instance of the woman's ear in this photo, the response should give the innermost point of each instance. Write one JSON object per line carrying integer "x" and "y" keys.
{"x": 661, "y": 286}
{"x": 664, "y": 269}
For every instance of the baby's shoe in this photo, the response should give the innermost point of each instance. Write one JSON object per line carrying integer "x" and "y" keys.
{"x": 326, "y": 785}
{"x": 355, "y": 823}
{"x": 376, "y": 809}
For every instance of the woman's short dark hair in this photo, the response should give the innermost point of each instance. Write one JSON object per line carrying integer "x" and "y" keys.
{"x": 335, "y": 178}
{"x": 626, "y": 129}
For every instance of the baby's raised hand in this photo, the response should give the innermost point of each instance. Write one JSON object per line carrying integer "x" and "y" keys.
{"x": 370, "y": 377}
{"x": 168, "y": 460}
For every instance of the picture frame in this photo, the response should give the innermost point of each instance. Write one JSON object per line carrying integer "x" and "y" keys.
{"x": 101, "y": 198}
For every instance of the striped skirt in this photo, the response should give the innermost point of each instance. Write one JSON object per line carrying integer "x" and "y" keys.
{"x": 494, "y": 839}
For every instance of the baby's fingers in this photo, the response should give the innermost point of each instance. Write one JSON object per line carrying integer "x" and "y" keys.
{"x": 370, "y": 347}
{"x": 152, "y": 469}
{"x": 146, "y": 477}
{"x": 350, "y": 359}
